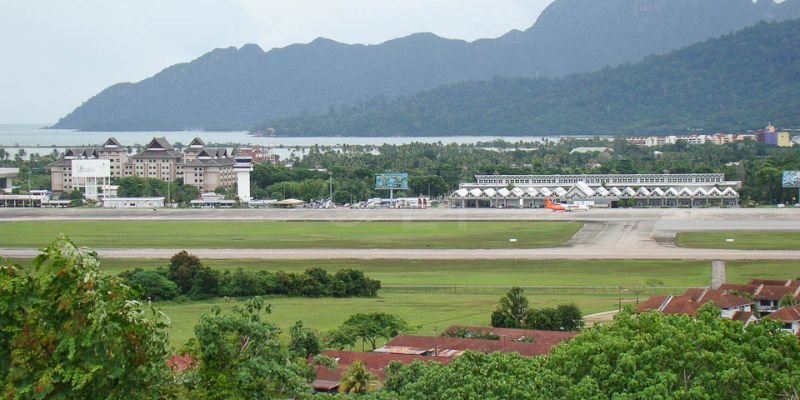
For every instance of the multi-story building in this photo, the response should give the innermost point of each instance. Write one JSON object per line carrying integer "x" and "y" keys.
{"x": 113, "y": 151}
{"x": 159, "y": 160}
{"x": 199, "y": 166}
{"x": 209, "y": 169}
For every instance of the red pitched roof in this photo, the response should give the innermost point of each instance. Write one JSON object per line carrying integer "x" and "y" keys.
{"x": 653, "y": 303}
{"x": 743, "y": 316}
{"x": 692, "y": 300}
{"x": 732, "y": 287}
{"x": 786, "y": 314}
{"x": 770, "y": 282}
{"x": 517, "y": 334}
{"x": 450, "y": 347}
{"x": 772, "y": 292}
{"x": 375, "y": 362}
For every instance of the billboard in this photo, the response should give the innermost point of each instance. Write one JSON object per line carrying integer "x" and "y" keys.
{"x": 391, "y": 181}
{"x": 791, "y": 179}
{"x": 91, "y": 168}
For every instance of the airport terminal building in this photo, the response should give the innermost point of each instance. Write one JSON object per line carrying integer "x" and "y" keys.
{"x": 606, "y": 190}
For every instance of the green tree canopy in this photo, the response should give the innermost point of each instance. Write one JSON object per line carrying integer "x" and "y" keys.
{"x": 512, "y": 310}
{"x": 71, "y": 332}
{"x": 372, "y": 326}
{"x": 242, "y": 357}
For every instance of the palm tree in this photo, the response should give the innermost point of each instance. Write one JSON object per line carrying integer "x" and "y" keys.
{"x": 356, "y": 379}
{"x": 512, "y": 310}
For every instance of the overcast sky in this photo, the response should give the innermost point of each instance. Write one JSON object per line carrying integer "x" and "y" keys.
{"x": 58, "y": 53}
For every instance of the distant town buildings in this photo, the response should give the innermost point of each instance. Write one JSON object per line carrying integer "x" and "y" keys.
{"x": 768, "y": 135}
{"x": 204, "y": 167}
{"x": 259, "y": 154}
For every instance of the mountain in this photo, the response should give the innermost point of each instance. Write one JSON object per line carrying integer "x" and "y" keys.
{"x": 733, "y": 83}
{"x": 238, "y": 88}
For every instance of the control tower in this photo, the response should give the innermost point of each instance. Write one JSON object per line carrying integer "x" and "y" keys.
{"x": 243, "y": 167}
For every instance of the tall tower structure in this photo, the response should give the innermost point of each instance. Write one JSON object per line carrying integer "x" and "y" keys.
{"x": 243, "y": 167}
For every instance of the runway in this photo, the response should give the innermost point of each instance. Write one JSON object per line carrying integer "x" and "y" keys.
{"x": 607, "y": 234}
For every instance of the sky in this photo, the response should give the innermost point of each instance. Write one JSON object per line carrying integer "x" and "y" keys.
{"x": 59, "y": 53}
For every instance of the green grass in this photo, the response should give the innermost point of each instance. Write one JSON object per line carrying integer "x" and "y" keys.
{"x": 743, "y": 240}
{"x": 509, "y": 272}
{"x": 278, "y": 234}
{"x": 473, "y": 300}
{"x": 426, "y": 310}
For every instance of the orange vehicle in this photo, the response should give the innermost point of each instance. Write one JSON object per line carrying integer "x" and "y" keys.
{"x": 564, "y": 206}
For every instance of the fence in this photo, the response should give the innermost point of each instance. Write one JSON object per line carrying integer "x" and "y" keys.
{"x": 626, "y": 291}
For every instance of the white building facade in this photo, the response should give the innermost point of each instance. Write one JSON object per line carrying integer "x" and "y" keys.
{"x": 602, "y": 190}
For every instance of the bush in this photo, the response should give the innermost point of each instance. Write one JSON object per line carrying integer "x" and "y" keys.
{"x": 565, "y": 317}
{"x": 150, "y": 285}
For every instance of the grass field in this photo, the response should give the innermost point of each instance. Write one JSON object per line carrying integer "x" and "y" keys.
{"x": 426, "y": 310}
{"x": 510, "y": 272}
{"x": 742, "y": 240}
{"x": 470, "y": 299}
{"x": 277, "y": 234}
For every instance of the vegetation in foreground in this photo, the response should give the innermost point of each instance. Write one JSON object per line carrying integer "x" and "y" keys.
{"x": 648, "y": 356}
{"x": 276, "y": 235}
{"x": 72, "y": 332}
{"x": 741, "y": 240}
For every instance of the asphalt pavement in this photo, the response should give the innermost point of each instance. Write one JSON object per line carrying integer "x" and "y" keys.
{"x": 607, "y": 234}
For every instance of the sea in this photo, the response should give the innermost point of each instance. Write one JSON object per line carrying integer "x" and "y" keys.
{"x": 35, "y": 138}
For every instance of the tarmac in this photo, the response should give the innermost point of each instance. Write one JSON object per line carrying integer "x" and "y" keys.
{"x": 607, "y": 233}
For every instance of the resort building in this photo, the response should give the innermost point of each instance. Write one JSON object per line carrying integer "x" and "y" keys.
{"x": 6, "y": 175}
{"x": 200, "y": 166}
{"x": 605, "y": 190}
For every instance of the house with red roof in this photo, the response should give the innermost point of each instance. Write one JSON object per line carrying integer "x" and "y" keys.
{"x": 790, "y": 316}
{"x": 767, "y": 293}
{"x": 731, "y": 306}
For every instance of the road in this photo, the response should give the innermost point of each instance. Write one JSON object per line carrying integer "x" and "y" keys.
{"x": 607, "y": 234}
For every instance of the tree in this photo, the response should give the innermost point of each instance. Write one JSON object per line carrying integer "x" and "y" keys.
{"x": 787, "y": 301}
{"x": 373, "y": 326}
{"x": 150, "y": 285}
{"x": 469, "y": 376}
{"x": 565, "y": 317}
{"x": 352, "y": 283}
{"x": 303, "y": 341}
{"x": 512, "y": 310}
{"x": 242, "y": 357}
{"x": 70, "y": 331}
{"x": 356, "y": 379}
{"x": 191, "y": 276}
{"x": 652, "y": 355}
{"x": 644, "y": 356}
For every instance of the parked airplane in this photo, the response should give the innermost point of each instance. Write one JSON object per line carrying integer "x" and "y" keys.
{"x": 564, "y": 206}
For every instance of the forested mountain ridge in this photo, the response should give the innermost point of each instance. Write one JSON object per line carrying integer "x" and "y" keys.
{"x": 733, "y": 83}
{"x": 238, "y": 88}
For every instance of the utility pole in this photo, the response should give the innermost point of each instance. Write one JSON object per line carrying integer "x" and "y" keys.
{"x": 330, "y": 184}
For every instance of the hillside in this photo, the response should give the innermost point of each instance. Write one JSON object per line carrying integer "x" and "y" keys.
{"x": 238, "y": 88}
{"x": 736, "y": 82}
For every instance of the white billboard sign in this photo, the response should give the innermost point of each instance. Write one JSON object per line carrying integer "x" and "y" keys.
{"x": 91, "y": 168}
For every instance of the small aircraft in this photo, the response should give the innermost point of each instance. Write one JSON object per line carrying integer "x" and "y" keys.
{"x": 564, "y": 206}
